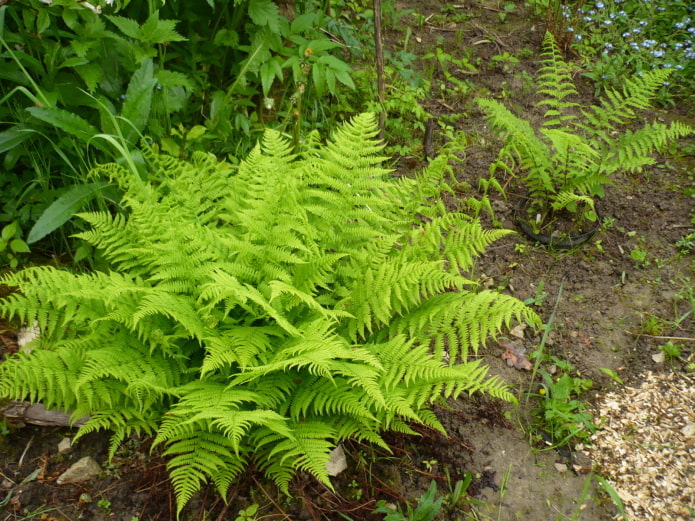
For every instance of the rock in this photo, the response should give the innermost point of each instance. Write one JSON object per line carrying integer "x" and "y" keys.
{"x": 561, "y": 467}
{"x": 337, "y": 463}
{"x": 65, "y": 446}
{"x": 84, "y": 470}
{"x": 37, "y": 414}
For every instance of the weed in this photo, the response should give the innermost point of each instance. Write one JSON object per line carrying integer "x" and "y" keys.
{"x": 427, "y": 508}
{"x": 104, "y": 505}
{"x": 247, "y": 514}
{"x": 671, "y": 351}
{"x": 640, "y": 257}
{"x": 561, "y": 414}
{"x": 538, "y": 297}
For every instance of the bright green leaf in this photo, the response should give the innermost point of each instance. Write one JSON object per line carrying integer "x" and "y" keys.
{"x": 19, "y": 246}
{"x": 265, "y": 12}
{"x": 127, "y": 26}
{"x": 12, "y": 137}
{"x": 138, "y": 102}
{"x": 65, "y": 121}
{"x": 9, "y": 231}
{"x": 155, "y": 30}
{"x": 62, "y": 209}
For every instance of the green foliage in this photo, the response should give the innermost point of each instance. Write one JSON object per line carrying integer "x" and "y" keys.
{"x": 259, "y": 314}
{"x": 561, "y": 414}
{"x": 427, "y": 508}
{"x": 11, "y": 245}
{"x": 80, "y": 83}
{"x": 570, "y": 159}
{"x": 618, "y": 39}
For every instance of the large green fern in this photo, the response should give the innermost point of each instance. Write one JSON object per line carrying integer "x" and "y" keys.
{"x": 259, "y": 314}
{"x": 569, "y": 160}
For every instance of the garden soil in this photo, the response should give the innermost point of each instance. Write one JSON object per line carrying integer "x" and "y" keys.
{"x": 610, "y": 313}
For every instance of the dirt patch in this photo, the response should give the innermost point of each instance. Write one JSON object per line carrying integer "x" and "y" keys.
{"x": 611, "y": 314}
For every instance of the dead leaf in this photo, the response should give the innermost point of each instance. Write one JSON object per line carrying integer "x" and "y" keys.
{"x": 515, "y": 356}
{"x": 518, "y": 331}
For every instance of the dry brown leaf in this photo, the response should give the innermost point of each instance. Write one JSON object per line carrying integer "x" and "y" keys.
{"x": 515, "y": 355}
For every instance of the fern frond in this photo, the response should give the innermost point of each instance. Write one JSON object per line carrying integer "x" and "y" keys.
{"x": 555, "y": 81}
{"x": 261, "y": 313}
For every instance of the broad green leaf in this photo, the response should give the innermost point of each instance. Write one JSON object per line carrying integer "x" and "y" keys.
{"x": 265, "y": 12}
{"x": 127, "y": 26}
{"x": 63, "y": 208}
{"x": 318, "y": 75}
{"x": 269, "y": 71}
{"x": 226, "y": 38}
{"x": 19, "y": 246}
{"x": 9, "y": 231}
{"x": 138, "y": 101}
{"x": 196, "y": 132}
{"x": 318, "y": 46}
{"x": 155, "y": 30}
{"x": 43, "y": 21}
{"x": 91, "y": 74}
{"x": 174, "y": 79}
{"x": 303, "y": 22}
{"x": 65, "y": 121}
{"x": 12, "y": 137}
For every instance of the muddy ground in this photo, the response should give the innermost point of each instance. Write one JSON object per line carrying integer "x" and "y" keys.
{"x": 612, "y": 312}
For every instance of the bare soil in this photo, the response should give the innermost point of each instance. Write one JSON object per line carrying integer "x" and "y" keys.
{"x": 611, "y": 312}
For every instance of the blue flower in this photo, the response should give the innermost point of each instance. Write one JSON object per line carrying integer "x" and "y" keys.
{"x": 600, "y": 5}
{"x": 607, "y": 22}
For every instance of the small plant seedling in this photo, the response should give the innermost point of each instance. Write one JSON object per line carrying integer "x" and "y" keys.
{"x": 614, "y": 376}
{"x": 248, "y": 514}
{"x": 640, "y": 257}
{"x": 104, "y": 505}
{"x": 671, "y": 351}
{"x": 538, "y": 297}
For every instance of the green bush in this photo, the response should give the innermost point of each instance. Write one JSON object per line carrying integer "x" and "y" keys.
{"x": 259, "y": 314}
{"x": 81, "y": 82}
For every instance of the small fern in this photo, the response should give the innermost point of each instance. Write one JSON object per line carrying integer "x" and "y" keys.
{"x": 569, "y": 160}
{"x": 260, "y": 314}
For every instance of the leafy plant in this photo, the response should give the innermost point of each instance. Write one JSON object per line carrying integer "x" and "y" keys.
{"x": 81, "y": 82}
{"x": 569, "y": 161}
{"x": 617, "y": 39}
{"x": 564, "y": 417}
{"x": 426, "y": 510}
{"x": 11, "y": 245}
{"x": 260, "y": 314}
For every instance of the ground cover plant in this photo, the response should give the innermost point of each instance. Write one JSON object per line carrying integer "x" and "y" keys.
{"x": 624, "y": 37}
{"x": 81, "y": 82}
{"x": 262, "y": 314}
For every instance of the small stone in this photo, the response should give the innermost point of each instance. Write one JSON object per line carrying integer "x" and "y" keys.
{"x": 659, "y": 357}
{"x": 338, "y": 462}
{"x": 84, "y": 470}
{"x": 561, "y": 467}
{"x": 689, "y": 430}
{"x": 65, "y": 446}
{"x": 518, "y": 331}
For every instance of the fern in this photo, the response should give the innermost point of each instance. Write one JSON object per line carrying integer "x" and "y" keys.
{"x": 260, "y": 314}
{"x": 570, "y": 159}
